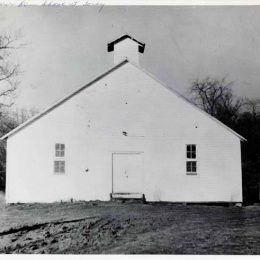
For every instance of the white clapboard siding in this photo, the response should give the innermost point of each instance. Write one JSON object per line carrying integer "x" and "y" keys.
{"x": 158, "y": 123}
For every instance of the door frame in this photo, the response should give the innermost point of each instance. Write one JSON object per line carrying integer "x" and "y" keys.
{"x": 120, "y": 152}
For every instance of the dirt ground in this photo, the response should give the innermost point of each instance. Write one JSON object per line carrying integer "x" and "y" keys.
{"x": 128, "y": 228}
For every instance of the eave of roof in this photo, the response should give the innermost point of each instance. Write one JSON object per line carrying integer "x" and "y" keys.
{"x": 110, "y": 45}
{"x": 189, "y": 102}
{"x": 64, "y": 99}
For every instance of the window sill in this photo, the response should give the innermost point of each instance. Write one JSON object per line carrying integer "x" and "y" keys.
{"x": 192, "y": 173}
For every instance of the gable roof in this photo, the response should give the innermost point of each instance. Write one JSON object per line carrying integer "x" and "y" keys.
{"x": 190, "y": 103}
{"x": 110, "y": 46}
{"x": 64, "y": 99}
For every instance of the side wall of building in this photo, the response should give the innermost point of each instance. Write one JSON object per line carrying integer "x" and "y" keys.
{"x": 92, "y": 124}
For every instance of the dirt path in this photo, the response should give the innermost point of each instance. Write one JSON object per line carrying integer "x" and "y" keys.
{"x": 132, "y": 228}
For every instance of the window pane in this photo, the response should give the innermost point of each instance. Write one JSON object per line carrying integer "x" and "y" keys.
{"x": 188, "y": 166}
{"x": 191, "y": 167}
{"x": 191, "y": 151}
{"x": 62, "y": 166}
{"x": 59, "y": 150}
{"x": 59, "y": 153}
{"x": 194, "y": 166}
{"x": 56, "y": 166}
{"x": 59, "y": 167}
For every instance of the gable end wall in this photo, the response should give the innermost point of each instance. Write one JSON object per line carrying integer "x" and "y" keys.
{"x": 91, "y": 125}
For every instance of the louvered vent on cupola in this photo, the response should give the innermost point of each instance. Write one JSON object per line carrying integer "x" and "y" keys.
{"x": 126, "y": 47}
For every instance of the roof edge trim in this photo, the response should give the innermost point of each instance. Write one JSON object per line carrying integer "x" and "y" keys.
{"x": 62, "y": 100}
{"x": 189, "y": 102}
{"x": 75, "y": 92}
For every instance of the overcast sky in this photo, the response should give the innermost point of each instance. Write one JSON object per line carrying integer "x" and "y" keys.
{"x": 66, "y": 46}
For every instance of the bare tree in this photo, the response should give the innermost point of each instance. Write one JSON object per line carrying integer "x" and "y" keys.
{"x": 252, "y": 106}
{"x": 216, "y": 98}
{"x": 8, "y": 70}
{"x": 8, "y": 85}
{"x": 20, "y": 115}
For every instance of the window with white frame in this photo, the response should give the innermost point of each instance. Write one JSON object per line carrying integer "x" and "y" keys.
{"x": 59, "y": 165}
{"x": 60, "y": 150}
{"x": 191, "y": 163}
